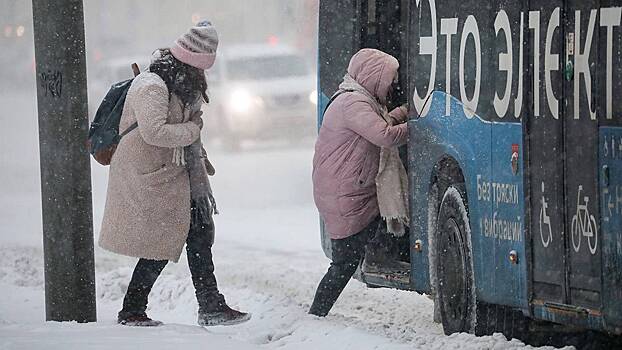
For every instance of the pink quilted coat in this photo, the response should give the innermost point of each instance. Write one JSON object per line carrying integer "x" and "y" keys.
{"x": 347, "y": 151}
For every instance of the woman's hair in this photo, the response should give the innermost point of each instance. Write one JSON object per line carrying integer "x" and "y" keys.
{"x": 183, "y": 80}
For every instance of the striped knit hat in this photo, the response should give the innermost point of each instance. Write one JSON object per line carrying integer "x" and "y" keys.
{"x": 198, "y": 46}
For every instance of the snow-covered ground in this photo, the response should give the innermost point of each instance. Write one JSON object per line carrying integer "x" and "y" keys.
{"x": 267, "y": 255}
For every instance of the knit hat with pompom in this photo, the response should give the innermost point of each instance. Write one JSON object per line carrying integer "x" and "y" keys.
{"x": 198, "y": 46}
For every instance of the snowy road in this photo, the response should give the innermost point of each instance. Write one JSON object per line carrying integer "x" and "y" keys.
{"x": 268, "y": 261}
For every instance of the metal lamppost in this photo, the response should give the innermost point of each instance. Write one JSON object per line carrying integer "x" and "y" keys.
{"x": 65, "y": 165}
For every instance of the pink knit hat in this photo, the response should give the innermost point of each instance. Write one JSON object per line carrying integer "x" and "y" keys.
{"x": 197, "y": 47}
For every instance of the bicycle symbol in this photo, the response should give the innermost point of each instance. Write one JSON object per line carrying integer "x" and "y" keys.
{"x": 584, "y": 224}
{"x": 545, "y": 219}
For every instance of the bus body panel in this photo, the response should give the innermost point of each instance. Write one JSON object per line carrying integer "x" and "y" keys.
{"x": 610, "y": 154}
{"x": 324, "y": 237}
{"x": 506, "y": 227}
{"x": 495, "y": 202}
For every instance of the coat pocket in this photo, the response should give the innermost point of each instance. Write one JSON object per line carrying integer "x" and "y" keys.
{"x": 161, "y": 176}
{"x": 367, "y": 175}
{"x": 354, "y": 200}
{"x": 153, "y": 171}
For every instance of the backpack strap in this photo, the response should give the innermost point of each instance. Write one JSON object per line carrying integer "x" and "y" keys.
{"x": 128, "y": 130}
{"x": 333, "y": 98}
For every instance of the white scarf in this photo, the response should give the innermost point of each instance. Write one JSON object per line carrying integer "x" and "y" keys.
{"x": 392, "y": 179}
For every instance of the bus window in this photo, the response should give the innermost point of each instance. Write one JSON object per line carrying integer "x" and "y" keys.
{"x": 339, "y": 40}
{"x": 385, "y": 30}
{"x": 349, "y": 25}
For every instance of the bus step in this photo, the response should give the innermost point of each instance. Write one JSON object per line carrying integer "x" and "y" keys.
{"x": 396, "y": 280}
{"x": 565, "y": 308}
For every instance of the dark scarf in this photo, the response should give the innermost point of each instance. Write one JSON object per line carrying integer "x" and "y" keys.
{"x": 178, "y": 79}
{"x": 203, "y": 202}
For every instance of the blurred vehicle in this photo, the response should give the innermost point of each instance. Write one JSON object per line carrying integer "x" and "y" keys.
{"x": 260, "y": 92}
{"x": 105, "y": 73}
{"x": 257, "y": 92}
{"x": 17, "y": 60}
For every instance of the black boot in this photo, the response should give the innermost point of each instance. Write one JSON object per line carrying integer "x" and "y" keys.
{"x": 141, "y": 320}
{"x": 135, "y": 302}
{"x": 218, "y": 313}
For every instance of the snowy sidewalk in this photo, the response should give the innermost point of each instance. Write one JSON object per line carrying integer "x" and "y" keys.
{"x": 63, "y": 336}
{"x": 268, "y": 261}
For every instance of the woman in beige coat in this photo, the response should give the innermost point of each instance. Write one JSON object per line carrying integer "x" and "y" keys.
{"x": 151, "y": 208}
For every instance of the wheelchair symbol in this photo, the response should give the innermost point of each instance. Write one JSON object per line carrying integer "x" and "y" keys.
{"x": 545, "y": 220}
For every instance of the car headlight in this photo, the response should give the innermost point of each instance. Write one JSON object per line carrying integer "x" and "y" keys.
{"x": 242, "y": 101}
{"x": 313, "y": 97}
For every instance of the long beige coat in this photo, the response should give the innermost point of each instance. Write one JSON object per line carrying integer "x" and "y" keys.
{"x": 147, "y": 212}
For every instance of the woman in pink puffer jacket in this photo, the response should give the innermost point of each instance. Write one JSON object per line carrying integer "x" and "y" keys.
{"x": 345, "y": 165}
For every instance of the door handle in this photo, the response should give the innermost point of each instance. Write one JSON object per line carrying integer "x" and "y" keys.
{"x": 606, "y": 175}
{"x": 514, "y": 163}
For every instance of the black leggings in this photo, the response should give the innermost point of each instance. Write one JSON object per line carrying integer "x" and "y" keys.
{"x": 199, "y": 251}
{"x": 347, "y": 254}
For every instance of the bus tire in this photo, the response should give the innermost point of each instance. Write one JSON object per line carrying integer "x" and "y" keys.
{"x": 492, "y": 318}
{"x": 455, "y": 285}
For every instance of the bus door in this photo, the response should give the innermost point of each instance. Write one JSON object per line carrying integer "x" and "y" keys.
{"x": 386, "y": 30}
{"x": 543, "y": 119}
{"x": 339, "y": 39}
{"x": 561, "y": 131}
{"x": 581, "y": 168}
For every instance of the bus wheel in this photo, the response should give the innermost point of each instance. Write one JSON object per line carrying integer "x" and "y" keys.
{"x": 454, "y": 269}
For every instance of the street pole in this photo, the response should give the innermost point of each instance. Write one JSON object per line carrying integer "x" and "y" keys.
{"x": 65, "y": 165}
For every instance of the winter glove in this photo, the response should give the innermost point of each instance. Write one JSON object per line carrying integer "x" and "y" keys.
{"x": 208, "y": 165}
{"x": 399, "y": 114}
{"x": 405, "y": 109}
{"x": 196, "y": 118}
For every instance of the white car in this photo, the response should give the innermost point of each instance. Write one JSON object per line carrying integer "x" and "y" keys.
{"x": 260, "y": 92}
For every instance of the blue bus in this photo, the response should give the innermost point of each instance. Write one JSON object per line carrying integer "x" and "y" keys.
{"x": 514, "y": 155}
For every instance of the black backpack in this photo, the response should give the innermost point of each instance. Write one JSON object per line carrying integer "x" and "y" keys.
{"x": 104, "y": 133}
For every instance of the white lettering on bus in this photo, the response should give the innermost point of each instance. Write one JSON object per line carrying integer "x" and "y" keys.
{"x": 518, "y": 102}
{"x": 497, "y": 192}
{"x": 427, "y": 46}
{"x": 470, "y": 29}
{"x": 501, "y": 105}
{"x": 449, "y": 27}
{"x": 612, "y": 197}
{"x": 609, "y": 18}
{"x": 505, "y": 193}
{"x": 509, "y": 230}
{"x": 581, "y": 62}
{"x": 551, "y": 63}
{"x": 534, "y": 23}
{"x": 483, "y": 189}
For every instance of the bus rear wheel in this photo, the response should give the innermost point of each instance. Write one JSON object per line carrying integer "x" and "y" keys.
{"x": 459, "y": 308}
{"x": 456, "y": 296}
